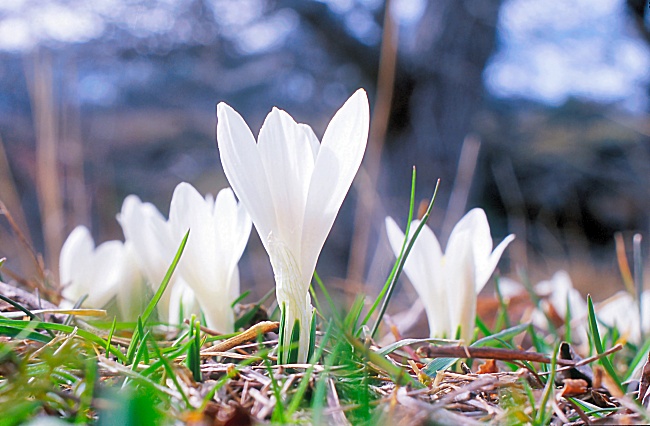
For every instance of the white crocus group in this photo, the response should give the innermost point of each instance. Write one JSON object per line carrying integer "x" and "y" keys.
{"x": 207, "y": 275}
{"x": 293, "y": 187}
{"x": 448, "y": 283}
{"x": 98, "y": 274}
{"x": 207, "y": 272}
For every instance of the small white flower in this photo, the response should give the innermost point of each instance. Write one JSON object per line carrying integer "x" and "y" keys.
{"x": 556, "y": 292}
{"x": 621, "y": 311}
{"x": 448, "y": 283}
{"x": 101, "y": 273}
{"x": 293, "y": 187}
{"x": 219, "y": 230}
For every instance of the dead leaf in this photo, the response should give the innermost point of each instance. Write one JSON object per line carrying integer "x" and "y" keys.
{"x": 574, "y": 387}
{"x": 489, "y": 366}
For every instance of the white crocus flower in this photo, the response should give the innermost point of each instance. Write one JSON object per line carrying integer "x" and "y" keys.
{"x": 293, "y": 187}
{"x": 219, "y": 230}
{"x": 556, "y": 293}
{"x": 153, "y": 247}
{"x": 621, "y": 311}
{"x": 101, "y": 273}
{"x": 448, "y": 283}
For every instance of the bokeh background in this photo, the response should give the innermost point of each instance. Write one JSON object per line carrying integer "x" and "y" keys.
{"x": 536, "y": 111}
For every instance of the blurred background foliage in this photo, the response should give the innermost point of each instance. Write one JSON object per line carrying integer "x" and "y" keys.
{"x": 535, "y": 111}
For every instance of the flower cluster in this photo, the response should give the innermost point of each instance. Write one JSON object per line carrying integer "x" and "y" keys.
{"x": 290, "y": 186}
{"x": 207, "y": 276}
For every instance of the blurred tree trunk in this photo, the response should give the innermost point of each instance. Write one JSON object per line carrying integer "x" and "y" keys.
{"x": 441, "y": 93}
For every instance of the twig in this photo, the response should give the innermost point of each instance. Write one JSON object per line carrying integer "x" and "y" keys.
{"x": 617, "y": 347}
{"x": 250, "y": 334}
{"x": 23, "y": 239}
{"x": 489, "y": 353}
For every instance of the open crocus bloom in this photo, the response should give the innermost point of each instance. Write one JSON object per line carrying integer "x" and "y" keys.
{"x": 448, "y": 283}
{"x": 293, "y": 187}
{"x": 557, "y": 293}
{"x": 153, "y": 248}
{"x": 101, "y": 273}
{"x": 219, "y": 230}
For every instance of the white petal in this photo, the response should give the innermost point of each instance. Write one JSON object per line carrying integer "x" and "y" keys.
{"x": 339, "y": 157}
{"x": 233, "y": 225}
{"x": 107, "y": 264}
{"x": 314, "y": 143}
{"x": 244, "y": 169}
{"x": 459, "y": 270}
{"x": 132, "y": 291}
{"x": 424, "y": 268}
{"x": 182, "y": 299}
{"x": 484, "y": 269}
{"x": 147, "y": 230}
{"x": 75, "y": 255}
{"x": 188, "y": 211}
{"x": 476, "y": 225}
{"x": 286, "y": 152}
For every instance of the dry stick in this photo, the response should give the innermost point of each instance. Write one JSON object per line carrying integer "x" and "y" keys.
{"x": 378, "y": 127}
{"x": 489, "y": 353}
{"x": 617, "y": 347}
{"x": 22, "y": 238}
{"x": 250, "y": 334}
{"x": 513, "y": 200}
{"x": 72, "y": 151}
{"x": 9, "y": 194}
{"x": 48, "y": 188}
{"x": 623, "y": 265}
{"x": 462, "y": 183}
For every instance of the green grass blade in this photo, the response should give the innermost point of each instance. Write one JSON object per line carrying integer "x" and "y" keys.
{"x": 402, "y": 261}
{"x": 156, "y": 297}
{"x": 279, "y": 411}
{"x": 543, "y": 416}
{"x": 248, "y": 316}
{"x": 503, "y": 319}
{"x": 193, "y": 360}
{"x": 604, "y": 361}
{"x": 333, "y": 308}
{"x": 23, "y": 333}
{"x": 86, "y": 397}
{"x": 294, "y": 346}
{"x": 319, "y": 396}
{"x": 507, "y": 334}
{"x": 20, "y": 307}
{"x": 281, "y": 337}
{"x": 386, "y": 286}
{"x": 407, "y": 342}
{"x": 165, "y": 282}
{"x": 398, "y": 374}
{"x": 65, "y": 329}
{"x": 240, "y": 298}
{"x": 170, "y": 372}
{"x": 638, "y": 361}
{"x": 109, "y": 339}
{"x": 298, "y": 397}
